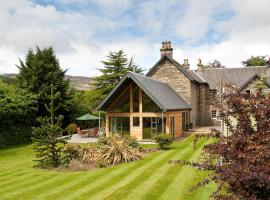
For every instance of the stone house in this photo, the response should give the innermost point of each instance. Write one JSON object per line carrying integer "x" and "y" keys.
{"x": 243, "y": 78}
{"x": 171, "y": 98}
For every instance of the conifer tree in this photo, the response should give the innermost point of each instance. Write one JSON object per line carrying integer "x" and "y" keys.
{"x": 48, "y": 140}
{"x": 38, "y": 72}
{"x": 115, "y": 67}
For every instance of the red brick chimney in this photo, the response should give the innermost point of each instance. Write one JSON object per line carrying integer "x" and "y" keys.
{"x": 166, "y": 49}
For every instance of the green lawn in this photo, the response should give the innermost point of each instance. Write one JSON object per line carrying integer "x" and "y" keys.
{"x": 150, "y": 178}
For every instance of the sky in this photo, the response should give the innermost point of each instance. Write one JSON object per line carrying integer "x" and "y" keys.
{"x": 83, "y": 32}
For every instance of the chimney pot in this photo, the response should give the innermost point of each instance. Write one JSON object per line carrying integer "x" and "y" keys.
{"x": 186, "y": 64}
{"x": 166, "y": 49}
{"x": 200, "y": 65}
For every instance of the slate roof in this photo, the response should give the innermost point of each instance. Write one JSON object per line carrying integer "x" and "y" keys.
{"x": 237, "y": 76}
{"x": 191, "y": 75}
{"x": 161, "y": 93}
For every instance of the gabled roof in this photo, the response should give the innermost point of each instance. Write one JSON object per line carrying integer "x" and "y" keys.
{"x": 253, "y": 77}
{"x": 161, "y": 93}
{"x": 191, "y": 75}
{"x": 236, "y": 76}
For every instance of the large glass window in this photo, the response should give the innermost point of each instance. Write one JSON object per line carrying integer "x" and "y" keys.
{"x": 119, "y": 125}
{"x": 135, "y": 98}
{"x": 149, "y": 105}
{"x": 122, "y": 103}
{"x": 153, "y": 126}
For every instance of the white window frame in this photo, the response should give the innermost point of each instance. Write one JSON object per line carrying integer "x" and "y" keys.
{"x": 212, "y": 111}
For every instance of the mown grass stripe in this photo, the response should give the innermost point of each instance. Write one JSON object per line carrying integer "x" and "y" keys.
{"x": 110, "y": 172}
{"x": 16, "y": 179}
{"x": 112, "y": 180}
{"x": 14, "y": 171}
{"x": 130, "y": 177}
{"x": 156, "y": 191}
{"x": 119, "y": 182}
{"x": 151, "y": 178}
{"x": 138, "y": 181}
{"x": 69, "y": 186}
{"x": 42, "y": 187}
{"x": 180, "y": 189}
{"x": 23, "y": 184}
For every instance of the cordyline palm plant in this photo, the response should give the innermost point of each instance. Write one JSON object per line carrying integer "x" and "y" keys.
{"x": 241, "y": 161}
{"x": 115, "y": 150}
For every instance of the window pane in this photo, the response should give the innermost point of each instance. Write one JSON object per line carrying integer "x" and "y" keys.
{"x": 122, "y": 103}
{"x": 136, "y": 121}
{"x": 135, "y": 98}
{"x": 149, "y": 105}
{"x": 119, "y": 125}
{"x": 147, "y": 128}
{"x": 152, "y": 126}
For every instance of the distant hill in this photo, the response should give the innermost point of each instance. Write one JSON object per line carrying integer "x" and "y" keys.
{"x": 8, "y": 79}
{"x": 78, "y": 82}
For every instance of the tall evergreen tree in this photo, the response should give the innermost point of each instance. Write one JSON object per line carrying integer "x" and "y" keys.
{"x": 48, "y": 140}
{"x": 115, "y": 67}
{"x": 38, "y": 72}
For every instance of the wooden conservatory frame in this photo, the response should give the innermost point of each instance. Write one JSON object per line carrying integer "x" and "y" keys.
{"x": 137, "y": 131}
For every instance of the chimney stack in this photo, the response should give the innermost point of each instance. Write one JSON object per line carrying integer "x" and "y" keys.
{"x": 186, "y": 64}
{"x": 200, "y": 65}
{"x": 166, "y": 49}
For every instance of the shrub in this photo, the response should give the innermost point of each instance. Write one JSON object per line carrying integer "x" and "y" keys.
{"x": 115, "y": 151}
{"x": 164, "y": 140}
{"x": 88, "y": 154}
{"x": 102, "y": 140}
{"x": 71, "y": 129}
{"x": 131, "y": 141}
{"x": 70, "y": 152}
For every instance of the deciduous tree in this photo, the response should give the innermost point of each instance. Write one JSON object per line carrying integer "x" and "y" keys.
{"x": 240, "y": 162}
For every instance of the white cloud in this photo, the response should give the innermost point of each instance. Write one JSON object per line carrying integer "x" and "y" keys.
{"x": 82, "y": 39}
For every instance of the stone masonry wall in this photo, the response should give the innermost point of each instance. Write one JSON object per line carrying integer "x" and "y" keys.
{"x": 168, "y": 73}
{"x": 205, "y": 118}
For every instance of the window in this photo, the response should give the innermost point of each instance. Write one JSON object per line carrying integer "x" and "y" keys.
{"x": 152, "y": 126}
{"x": 214, "y": 114}
{"x": 149, "y": 105}
{"x": 119, "y": 125}
{"x": 135, "y": 98}
{"x": 136, "y": 121}
{"x": 122, "y": 103}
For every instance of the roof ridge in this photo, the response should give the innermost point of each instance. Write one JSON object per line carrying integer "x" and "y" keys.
{"x": 146, "y": 77}
{"x": 228, "y": 68}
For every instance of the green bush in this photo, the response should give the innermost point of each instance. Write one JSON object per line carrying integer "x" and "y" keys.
{"x": 71, "y": 129}
{"x": 164, "y": 140}
{"x": 113, "y": 150}
{"x": 70, "y": 152}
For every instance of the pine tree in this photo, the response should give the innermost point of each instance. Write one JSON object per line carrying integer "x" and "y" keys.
{"x": 115, "y": 67}
{"x": 48, "y": 140}
{"x": 38, "y": 72}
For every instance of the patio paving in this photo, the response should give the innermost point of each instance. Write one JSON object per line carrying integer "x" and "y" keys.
{"x": 76, "y": 139}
